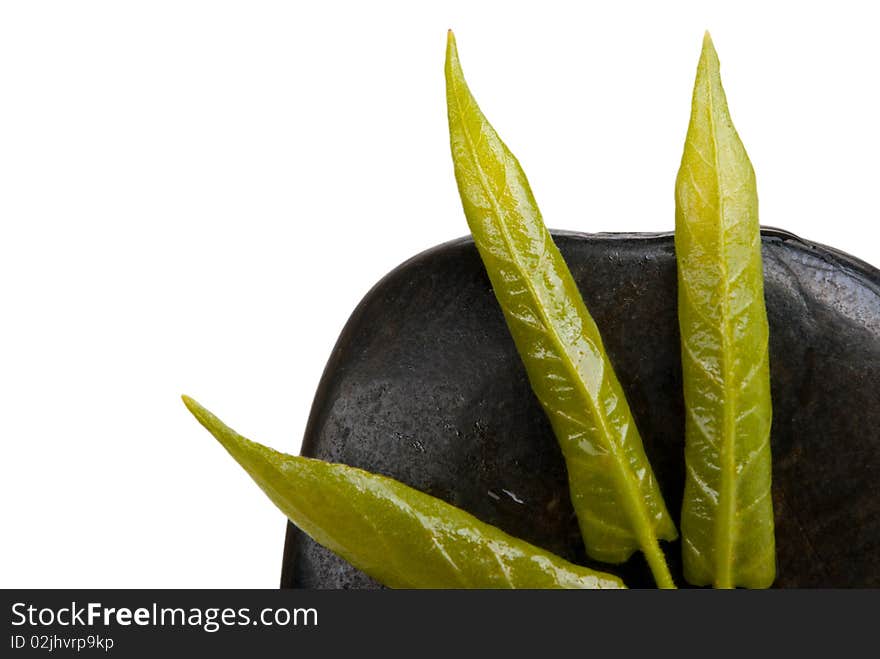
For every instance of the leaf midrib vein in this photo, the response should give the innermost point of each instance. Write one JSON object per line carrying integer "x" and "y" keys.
{"x": 725, "y": 530}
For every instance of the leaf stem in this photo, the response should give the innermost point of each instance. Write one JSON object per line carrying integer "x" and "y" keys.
{"x": 657, "y": 563}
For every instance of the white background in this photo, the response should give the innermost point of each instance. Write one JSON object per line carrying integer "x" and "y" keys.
{"x": 195, "y": 195}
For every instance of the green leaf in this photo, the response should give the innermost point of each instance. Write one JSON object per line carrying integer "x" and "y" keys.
{"x": 727, "y": 516}
{"x": 399, "y": 536}
{"x": 613, "y": 489}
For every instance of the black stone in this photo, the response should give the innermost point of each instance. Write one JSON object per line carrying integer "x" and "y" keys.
{"x": 425, "y": 385}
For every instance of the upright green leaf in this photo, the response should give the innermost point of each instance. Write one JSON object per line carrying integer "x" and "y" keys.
{"x": 727, "y": 517}
{"x": 398, "y": 535}
{"x": 613, "y": 489}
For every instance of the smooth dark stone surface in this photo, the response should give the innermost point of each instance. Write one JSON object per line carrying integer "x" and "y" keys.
{"x": 425, "y": 385}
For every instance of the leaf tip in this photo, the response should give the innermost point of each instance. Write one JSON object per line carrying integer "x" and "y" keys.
{"x": 210, "y": 422}
{"x": 452, "y": 64}
{"x": 242, "y": 449}
{"x": 192, "y": 405}
{"x": 707, "y": 39}
{"x": 709, "y": 56}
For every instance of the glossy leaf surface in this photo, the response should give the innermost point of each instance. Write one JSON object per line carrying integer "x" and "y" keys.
{"x": 399, "y": 536}
{"x": 727, "y": 515}
{"x": 613, "y": 489}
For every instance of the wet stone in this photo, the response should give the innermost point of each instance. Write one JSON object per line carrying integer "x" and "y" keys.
{"x": 425, "y": 386}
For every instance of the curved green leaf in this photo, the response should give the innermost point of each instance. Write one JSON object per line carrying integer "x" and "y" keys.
{"x": 727, "y": 516}
{"x": 613, "y": 489}
{"x": 399, "y": 536}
